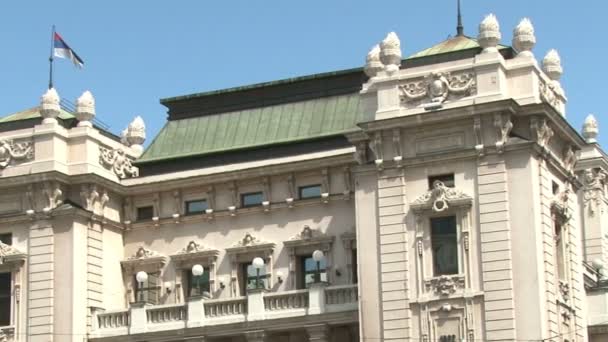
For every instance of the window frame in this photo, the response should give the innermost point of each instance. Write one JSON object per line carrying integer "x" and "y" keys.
{"x": 148, "y": 289}
{"x": 245, "y": 278}
{"x": 303, "y": 188}
{"x": 435, "y": 271}
{"x": 139, "y": 218}
{"x": 187, "y": 203}
{"x": 206, "y": 289}
{"x": 254, "y": 193}
{"x": 302, "y": 273}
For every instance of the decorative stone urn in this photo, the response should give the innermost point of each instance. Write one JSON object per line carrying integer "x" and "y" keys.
{"x": 136, "y": 135}
{"x": 590, "y": 129}
{"x": 489, "y": 34}
{"x": 373, "y": 64}
{"x": 524, "y": 38}
{"x": 85, "y": 109}
{"x": 552, "y": 65}
{"x": 49, "y": 106}
{"x": 390, "y": 52}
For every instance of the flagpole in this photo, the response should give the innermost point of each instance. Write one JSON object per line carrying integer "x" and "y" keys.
{"x": 51, "y": 58}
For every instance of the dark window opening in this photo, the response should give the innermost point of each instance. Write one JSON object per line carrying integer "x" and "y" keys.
{"x": 7, "y": 238}
{"x": 555, "y": 188}
{"x": 354, "y": 266}
{"x": 444, "y": 245}
{"x": 145, "y": 213}
{"x": 447, "y": 338}
{"x": 248, "y": 278}
{"x": 559, "y": 250}
{"x": 310, "y": 191}
{"x": 196, "y": 206}
{"x": 198, "y": 286}
{"x": 5, "y": 299}
{"x": 148, "y": 290}
{"x": 252, "y": 199}
{"x": 447, "y": 180}
{"x": 307, "y": 271}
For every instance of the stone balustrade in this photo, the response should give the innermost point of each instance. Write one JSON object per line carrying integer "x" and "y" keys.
{"x": 199, "y": 311}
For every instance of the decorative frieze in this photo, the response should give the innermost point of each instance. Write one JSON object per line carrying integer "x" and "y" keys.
{"x": 194, "y": 253}
{"x": 438, "y": 87}
{"x": 11, "y": 152}
{"x": 117, "y": 161}
{"x": 440, "y": 198}
{"x": 445, "y": 285}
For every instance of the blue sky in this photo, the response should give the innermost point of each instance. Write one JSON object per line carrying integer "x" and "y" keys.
{"x": 137, "y": 52}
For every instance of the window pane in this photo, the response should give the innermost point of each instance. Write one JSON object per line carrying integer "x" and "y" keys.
{"x": 309, "y": 268}
{"x": 444, "y": 245}
{"x": 148, "y": 290}
{"x": 252, "y": 199}
{"x": 145, "y": 213}
{"x": 5, "y": 299}
{"x": 199, "y": 286}
{"x": 310, "y": 191}
{"x": 250, "y": 277}
{"x": 197, "y": 206}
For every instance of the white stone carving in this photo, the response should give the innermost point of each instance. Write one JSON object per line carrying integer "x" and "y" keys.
{"x": 489, "y": 34}
{"x": 552, "y": 91}
{"x": 524, "y": 39}
{"x": 445, "y": 285}
{"x": 104, "y": 200}
{"x": 143, "y": 253}
{"x": 503, "y": 128}
{"x": 308, "y": 233}
{"x": 49, "y": 106}
{"x": 564, "y": 289}
{"x": 479, "y": 148}
{"x": 373, "y": 65}
{"x": 560, "y": 203}
{"x": 54, "y": 195}
{"x": 376, "y": 147}
{"x": 569, "y": 159}
{"x": 9, "y": 253}
{"x": 144, "y": 259}
{"x": 248, "y": 240}
{"x": 552, "y": 65}
{"x": 136, "y": 135}
{"x": 192, "y": 247}
{"x": 594, "y": 181}
{"x": 590, "y": 129}
{"x": 117, "y": 161}
{"x": 438, "y": 87}
{"x": 85, "y": 109}
{"x": 11, "y": 151}
{"x": 390, "y": 53}
{"x": 440, "y": 197}
{"x": 89, "y": 196}
{"x": 544, "y": 133}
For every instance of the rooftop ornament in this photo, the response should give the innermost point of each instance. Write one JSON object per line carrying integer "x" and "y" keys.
{"x": 489, "y": 34}
{"x": 552, "y": 65}
{"x": 590, "y": 129}
{"x": 85, "y": 109}
{"x": 524, "y": 39}
{"x": 373, "y": 65}
{"x": 49, "y": 106}
{"x": 390, "y": 53}
{"x": 136, "y": 135}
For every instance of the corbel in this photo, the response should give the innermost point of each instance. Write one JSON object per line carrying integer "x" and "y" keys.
{"x": 347, "y": 183}
{"x": 211, "y": 201}
{"x": 503, "y": 126}
{"x": 325, "y": 185}
{"x": 127, "y": 211}
{"x": 361, "y": 152}
{"x": 156, "y": 208}
{"x": 177, "y": 205}
{"x": 30, "y": 202}
{"x": 376, "y": 147}
{"x": 291, "y": 190}
{"x": 266, "y": 193}
{"x": 398, "y": 158}
{"x": 478, "y": 135}
{"x": 104, "y": 199}
{"x": 234, "y": 193}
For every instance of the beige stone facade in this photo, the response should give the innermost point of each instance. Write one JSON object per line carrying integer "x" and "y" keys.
{"x": 466, "y": 208}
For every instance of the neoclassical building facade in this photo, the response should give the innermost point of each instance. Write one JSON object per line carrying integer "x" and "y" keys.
{"x": 438, "y": 197}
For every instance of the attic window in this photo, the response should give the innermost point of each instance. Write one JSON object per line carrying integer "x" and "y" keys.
{"x": 446, "y": 179}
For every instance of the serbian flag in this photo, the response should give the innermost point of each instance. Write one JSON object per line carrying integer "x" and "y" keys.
{"x": 62, "y": 50}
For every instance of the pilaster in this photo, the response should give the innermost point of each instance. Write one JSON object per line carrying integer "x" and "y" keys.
{"x": 40, "y": 306}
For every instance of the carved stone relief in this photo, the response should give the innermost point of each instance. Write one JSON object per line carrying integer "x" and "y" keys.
{"x": 594, "y": 181}
{"x": 544, "y": 133}
{"x": 552, "y": 94}
{"x": 438, "y": 87}
{"x": 503, "y": 127}
{"x": 116, "y": 161}
{"x": 11, "y": 151}
{"x": 10, "y": 254}
{"x": 440, "y": 197}
{"x": 569, "y": 159}
{"x": 53, "y": 195}
{"x": 445, "y": 285}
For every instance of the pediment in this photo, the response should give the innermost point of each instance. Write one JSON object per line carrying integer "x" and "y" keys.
{"x": 309, "y": 236}
{"x": 250, "y": 243}
{"x": 440, "y": 198}
{"x": 194, "y": 253}
{"x": 144, "y": 258}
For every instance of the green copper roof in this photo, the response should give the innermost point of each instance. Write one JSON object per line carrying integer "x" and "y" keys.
{"x": 278, "y": 124}
{"x": 453, "y": 44}
{"x": 32, "y": 113}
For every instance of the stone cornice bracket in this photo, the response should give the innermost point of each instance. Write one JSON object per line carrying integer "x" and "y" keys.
{"x": 543, "y": 134}
{"x": 569, "y": 160}
{"x": 348, "y": 188}
{"x": 144, "y": 259}
{"x": 234, "y": 194}
{"x": 376, "y": 148}
{"x": 177, "y": 205}
{"x": 479, "y": 147}
{"x": 398, "y": 150}
{"x": 361, "y": 152}
{"x": 440, "y": 198}
{"x": 127, "y": 211}
{"x": 10, "y": 255}
{"x": 594, "y": 181}
{"x": 156, "y": 208}
{"x": 194, "y": 253}
{"x": 291, "y": 190}
{"x": 559, "y": 204}
{"x": 250, "y": 243}
{"x": 211, "y": 200}
{"x": 30, "y": 201}
{"x": 53, "y": 195}
{"x": 325, "y": 189}
{"x": 503, "y": 126}
{"x": 266, "y": 193}
{"x": 117, "y": 161}
{"x": 103, "y": 202}
{"x": 11, "y": 151}
{"x": 89, "y": 196}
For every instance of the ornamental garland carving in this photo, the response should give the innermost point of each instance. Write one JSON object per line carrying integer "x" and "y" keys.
{"x": 437, "y": 87}
{"x": 551, "y": 93}
{"x": 594, "y": 181}
{"x": 116, "y": 161}
{"x": 440, "y": 197}
{"x": 143, "y": 253}
{"x": 192, "y": 247}
{"x": 11, "y": 151}
{"x": 445, "y": 285}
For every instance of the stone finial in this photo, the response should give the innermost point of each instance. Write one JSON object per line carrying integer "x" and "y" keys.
{"x": 390, "y": 52}
{"x": 524, "y": 38}
{"x": 49, "y": 106}
{"x": 136, "y": 135}
{"x": 590, "y": 129}
{"x": 552, "y": 65}
{"x": 489, "y": 34}
{"x": 85, "y": 109}
{"x": 373, "y": 65}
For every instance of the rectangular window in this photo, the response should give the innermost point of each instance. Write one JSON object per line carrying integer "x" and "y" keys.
{"x": 310, "y": 191}
{"x": 198, "y": 286}
{"x": 5, "y": 299}
{"x": 248, "y": 278}
{"x": 444, "y": 245}
{"x": 148, "y": 290}
{"x": 145, "y": 213}
{"x": 308, "y": 271}
{"x": 447, "y": 180}
{"x": 252, "y": 199}
{"x": 6, "y": 238}
{"x": 196, "y": 206}
{"x": 559, "y": 251}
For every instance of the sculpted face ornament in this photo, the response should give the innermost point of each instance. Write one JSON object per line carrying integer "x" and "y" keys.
{"x": 10, "y": 151}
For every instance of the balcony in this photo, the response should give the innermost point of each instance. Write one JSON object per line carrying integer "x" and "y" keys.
{"x": 320, "y": 299}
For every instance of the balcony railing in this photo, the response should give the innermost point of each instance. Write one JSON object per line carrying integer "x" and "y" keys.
{"x": 257, "y": 305}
